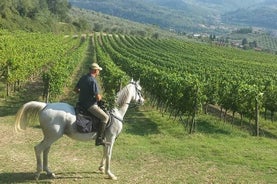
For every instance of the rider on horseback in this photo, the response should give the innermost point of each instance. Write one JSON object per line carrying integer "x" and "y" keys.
{"x": 89, "y": 95}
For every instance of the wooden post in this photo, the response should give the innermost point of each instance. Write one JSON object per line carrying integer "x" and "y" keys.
{"x": 257, "y": 101}
{"x": 257, "y": 117}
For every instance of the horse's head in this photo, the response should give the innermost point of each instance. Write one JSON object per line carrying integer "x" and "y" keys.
{"x": 131, "y": 92}
{"x": 136, "y": 92}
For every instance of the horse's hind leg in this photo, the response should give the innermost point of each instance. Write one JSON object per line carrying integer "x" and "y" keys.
{"x": 43, "y": 146}
{"x": 45, "y": 162}
{"x": 38, "y": 158}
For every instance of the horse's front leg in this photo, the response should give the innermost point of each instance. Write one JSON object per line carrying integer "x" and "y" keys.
{"x": 108, "y": 152}
{"x": 103, "y": 161}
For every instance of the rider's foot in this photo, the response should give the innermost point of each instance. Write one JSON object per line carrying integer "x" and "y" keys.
{"x": 99, "y": 141}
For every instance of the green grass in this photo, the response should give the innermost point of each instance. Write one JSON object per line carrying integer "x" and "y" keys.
{"x": 151, "y": 149}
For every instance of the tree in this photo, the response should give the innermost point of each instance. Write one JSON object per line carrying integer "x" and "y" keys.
{"x": 98, "y": 27}
{"x": 244, "y": 41}
{"x": 81, "y": 24}
{"x": 59, "y": 8}
{"x": 253, "y": 44}
{"x": 27, "y": 8}
{"x": 212, "y": 37}
{"x": 155, "y": 35}
{"x": 6, "y": 8}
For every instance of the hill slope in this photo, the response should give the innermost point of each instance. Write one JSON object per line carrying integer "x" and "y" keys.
{"x": 264, "y": 16}
{"x": 176, "y": 14}
{"x": 187, "y": 15}
{"x": 42, "y": 16}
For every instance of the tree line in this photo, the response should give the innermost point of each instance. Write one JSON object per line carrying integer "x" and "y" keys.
{"x": 34, "y": 15}
{"x": 33, "y": 8}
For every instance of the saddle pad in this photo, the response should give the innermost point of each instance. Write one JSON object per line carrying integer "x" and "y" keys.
{"x": 84, "y": 123}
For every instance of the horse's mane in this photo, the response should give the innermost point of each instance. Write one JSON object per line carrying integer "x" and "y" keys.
{"x": 122, "y": 95}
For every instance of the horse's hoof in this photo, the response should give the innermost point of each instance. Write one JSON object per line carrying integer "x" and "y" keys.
{"x": 101, "y": 169}
{"x": 37, "y": 176}
{"x": 51, "y": 175}
{"x": 112, "y": 177}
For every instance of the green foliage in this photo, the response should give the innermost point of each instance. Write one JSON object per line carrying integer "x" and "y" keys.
{"x": 264, "y": 41}
{"x": 22, "y": 58}
{"x": 263, "y": 16}
{"x": 189, "y": 75}
{"x": 184, "y": 18}
{"x": 180, "y": 77}
{"x": 38, "y": 15}
{"x": 113, "y": 77}
{"x": 244, "y": 30}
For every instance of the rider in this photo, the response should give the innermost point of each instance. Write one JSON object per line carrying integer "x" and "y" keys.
{"x": 89, "y": 95}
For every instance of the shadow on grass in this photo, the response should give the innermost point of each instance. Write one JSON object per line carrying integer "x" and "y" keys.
{"x": 209, "y": 128}
{"x": 29, "y": 177}
{"x": 21, "y": 177}
{"x": 236, "y": 121}
{"x": 31, "y": 91}
{"x": 137, "y": 124}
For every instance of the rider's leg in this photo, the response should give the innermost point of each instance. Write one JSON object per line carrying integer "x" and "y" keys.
{"x": 99, "y": 113}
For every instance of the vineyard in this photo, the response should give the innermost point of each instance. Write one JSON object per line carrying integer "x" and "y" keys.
{"x": 180, "y": 78}
{"x": 263, "y": 40}
{"x": 186, "y": 76}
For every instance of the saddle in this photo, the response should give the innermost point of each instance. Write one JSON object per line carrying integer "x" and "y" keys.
{"x": 87, "y": 122}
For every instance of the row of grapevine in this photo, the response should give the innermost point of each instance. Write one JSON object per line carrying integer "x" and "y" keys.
{"x": 187, "y": 74}
{"x": 233, "y": 83}
{"x": 179, "y": 77}
{"x": 53, "y": 57}
{"x": 267, "y": 42}
{"x": 113, "y": 78}
{"x": 25, "y": 55}
{"x": 171, "y": 91}
{"x": 58, "y": 75}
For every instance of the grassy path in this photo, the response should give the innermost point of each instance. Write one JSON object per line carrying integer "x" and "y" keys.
{"x": 151, "y": 149}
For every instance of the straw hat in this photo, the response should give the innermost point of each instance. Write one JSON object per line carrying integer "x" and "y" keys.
{"x": 95, "y": 66}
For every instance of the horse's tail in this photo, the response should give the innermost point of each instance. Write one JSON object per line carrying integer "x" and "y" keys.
{"x": 29, "y": 111}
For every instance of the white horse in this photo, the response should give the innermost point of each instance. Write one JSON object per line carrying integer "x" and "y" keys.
{"x": 57, "y": 119}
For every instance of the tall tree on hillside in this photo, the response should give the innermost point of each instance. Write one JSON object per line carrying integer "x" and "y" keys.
{"x": 59, "y": 8}
{"x": 26, "y": 8}
{"x": 43, "y": 4}
{"x": 244, "y": 41}
{"x": 6, "y": 8}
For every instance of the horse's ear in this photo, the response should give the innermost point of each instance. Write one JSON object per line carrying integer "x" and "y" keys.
{"x": 138, "y": 81}
{"x": 132, "y": 80}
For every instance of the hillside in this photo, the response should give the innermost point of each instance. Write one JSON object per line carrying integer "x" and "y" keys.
{"x": 61, "y": 17}
{"x": 99, "y": 22}
{"x": 189, "y": 15}
{"x": 179, "y": 15}
{"x": 36, "y": 16}
{"x": 264, "y": 16}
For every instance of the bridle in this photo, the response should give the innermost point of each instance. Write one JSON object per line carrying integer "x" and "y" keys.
{"x": 138, "y": 93}
{"x": 131, "y": 105}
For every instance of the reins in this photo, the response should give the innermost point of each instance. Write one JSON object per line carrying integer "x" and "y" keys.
{"x": 114, "y": 116}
